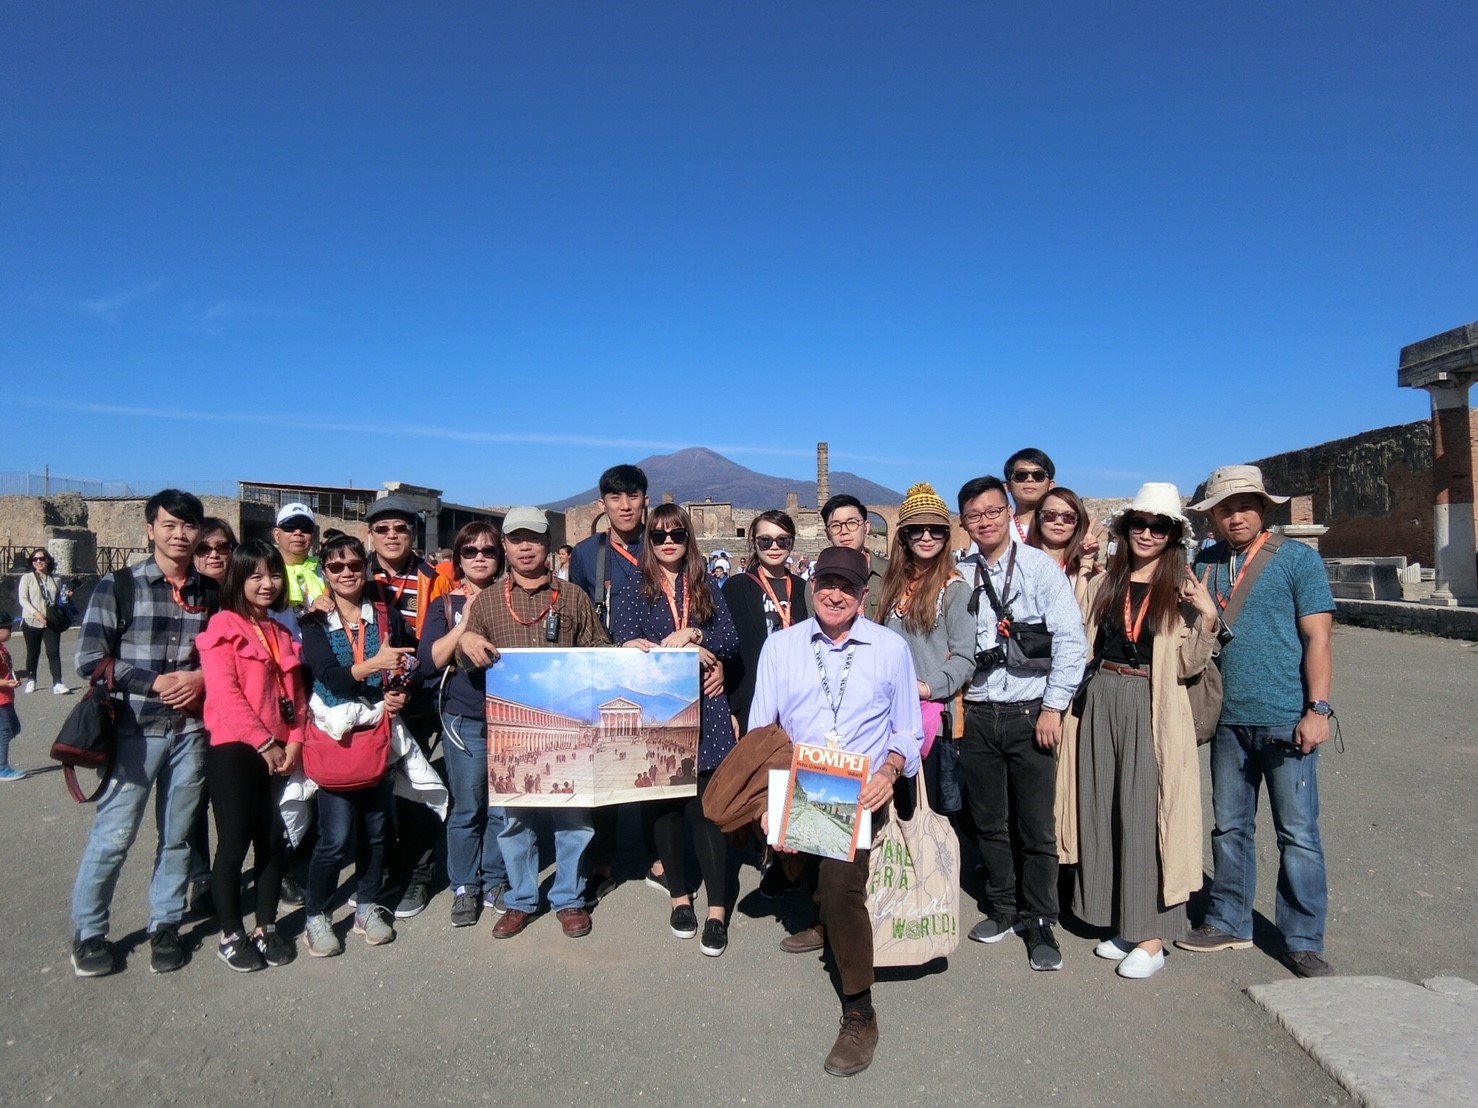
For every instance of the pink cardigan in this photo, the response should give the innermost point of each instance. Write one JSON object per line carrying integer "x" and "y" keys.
{"x": 240, "y": 689}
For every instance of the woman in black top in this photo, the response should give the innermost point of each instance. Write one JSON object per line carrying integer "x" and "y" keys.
{"x": 767, "y": 597}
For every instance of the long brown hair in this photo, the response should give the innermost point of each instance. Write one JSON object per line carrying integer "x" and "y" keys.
{"x": 693, "y": 571}
{"x": 923, "y": 606}
{"x": 1164, "y": 609}
{"x": 1074, "y": 544}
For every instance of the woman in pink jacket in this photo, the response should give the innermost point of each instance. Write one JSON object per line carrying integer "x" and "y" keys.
{"x": 255, "y": 705}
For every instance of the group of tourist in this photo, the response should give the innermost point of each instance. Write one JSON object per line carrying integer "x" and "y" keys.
{"x": 1038, "y": 690}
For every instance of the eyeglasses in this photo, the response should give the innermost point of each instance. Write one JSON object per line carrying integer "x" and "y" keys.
{"x": 843, "y": 526}
{"x": 985, "y": 513}
{"x": 678, "y": 535}
{"x": 917, "y": 531}
{"x": 296, "y": 528}
{"x": 343, "y": 567}
{"x": 1159, "y": 528}
{"x": 1022, "y": 476}
{"x": 1049, "y": 515}
{"x": 764, "y": 542}
{"x": 391, "y": 528}
{"x": 474, "y": 551}
{"x": 206, "y": 549}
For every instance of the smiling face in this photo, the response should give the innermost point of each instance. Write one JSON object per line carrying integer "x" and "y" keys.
{"x": 262, "y": 588}
{"x": 986, "y": 519}
{"x": 1148, "y": 536}
{"x": 838, "y": 601}
{"x": 847, "y": 527}
{"x": 926, "y": 541}
{"x": 173, "y": 538}
{"x": 480, "y": 558}
{"x": 293, "y": 538}
{"x": 624, "y": 510}
{"x": 344, "y": 572}
{"x": 212, "y": 552}
{"x": 1239, "y": 518}
{"x": 527, "y": 553}
{"x": 391, "y": 538}
{"x": 772, "y": 560}
{"x": 1057, "y": 530}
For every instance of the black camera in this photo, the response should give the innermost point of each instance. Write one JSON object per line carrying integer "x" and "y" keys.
{"x": 551, "y": 627}
{"x": 988, "y": 661}
{"x": 287, "y": 710}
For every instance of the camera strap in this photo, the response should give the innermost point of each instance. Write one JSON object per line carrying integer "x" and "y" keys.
{"x": 982, "y": 582}
{"x": 1239, "y": 591}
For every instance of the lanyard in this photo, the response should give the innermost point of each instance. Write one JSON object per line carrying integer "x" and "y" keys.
{"x": 782, "y": 607}
{"x": 356, "y": 644}
{"x": 620, "y": 548}
{"x": 1132, "y": 627}
{"x": 1020, "y": 530}
{"x": 679, "y": 616}
{"x": 834, "y": 736}
{"x": 508, "y": 600}
{"x": 1234, "y": 575}
{"x": 179, "y": 598}
{"x": 270, "y": 642}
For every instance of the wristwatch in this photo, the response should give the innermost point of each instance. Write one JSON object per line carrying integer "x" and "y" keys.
{"x": 1319, "y": 707}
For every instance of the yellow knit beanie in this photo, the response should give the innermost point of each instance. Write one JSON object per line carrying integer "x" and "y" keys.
{"x": 923, "y": 505}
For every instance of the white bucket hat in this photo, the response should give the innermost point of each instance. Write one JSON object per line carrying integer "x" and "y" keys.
{"x": 1159, "y": 498}
{"x": 1228, "y": 481}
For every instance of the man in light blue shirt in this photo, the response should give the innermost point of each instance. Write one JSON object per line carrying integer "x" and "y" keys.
{"x": 838, "y": 679}
{"x": 1013, "y": 719}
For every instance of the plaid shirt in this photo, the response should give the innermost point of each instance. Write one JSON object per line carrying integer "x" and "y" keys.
{"x": 488, "y": 615}
{"x": 160, "y": 639}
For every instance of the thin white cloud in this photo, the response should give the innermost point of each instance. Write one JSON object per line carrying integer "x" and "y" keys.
{"x": 110, "y": 308}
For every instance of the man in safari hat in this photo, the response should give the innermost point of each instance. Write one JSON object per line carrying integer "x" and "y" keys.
{"x": 1276, "y": 666}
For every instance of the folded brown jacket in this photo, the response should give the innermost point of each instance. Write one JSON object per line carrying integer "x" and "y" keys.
{"x": 737, "y": 792}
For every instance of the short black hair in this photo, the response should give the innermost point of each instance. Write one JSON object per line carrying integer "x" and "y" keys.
{"x": 181, "y": 505}
{"x": 623, "y": 478}
{"x": 978, "y": 485}
{"x": 841, "y": 500}
{"x": 1032, "y": 456}
{"x": 244, "y": 561}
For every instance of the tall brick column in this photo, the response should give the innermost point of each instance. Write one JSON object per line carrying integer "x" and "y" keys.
{"x": 1445, "y": 365}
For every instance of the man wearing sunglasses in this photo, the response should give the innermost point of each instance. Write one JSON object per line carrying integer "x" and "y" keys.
{"x": 1013, "y": 719}
{"x": 1030, "y": 476}
{"x": 845, "y": 519}
{"x": 159, "y": 739}
{"x": 293, "y": 535}
{"x": 410, "y": 584}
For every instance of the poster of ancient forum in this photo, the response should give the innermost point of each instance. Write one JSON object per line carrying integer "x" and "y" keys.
{"x": 589, "y": 726}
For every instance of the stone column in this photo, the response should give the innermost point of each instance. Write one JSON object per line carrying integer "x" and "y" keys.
{"x": 1445, "y": 366}
{"x": 823, "y": 474}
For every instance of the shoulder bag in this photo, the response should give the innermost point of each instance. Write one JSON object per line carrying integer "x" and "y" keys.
{"x": 913, "y": 887}
{"x": 1027, "y": 646}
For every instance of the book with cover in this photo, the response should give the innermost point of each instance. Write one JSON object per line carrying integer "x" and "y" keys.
{"x": 822, "y": 810}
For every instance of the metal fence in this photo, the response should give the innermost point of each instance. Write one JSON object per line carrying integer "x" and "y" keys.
{"x": 46, "y": 483}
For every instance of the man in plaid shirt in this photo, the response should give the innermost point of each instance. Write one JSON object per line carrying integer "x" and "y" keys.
{"x": 160, "y": 741}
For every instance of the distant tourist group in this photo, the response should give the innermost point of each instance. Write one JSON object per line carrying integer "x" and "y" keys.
{"x": 322, "y": 696}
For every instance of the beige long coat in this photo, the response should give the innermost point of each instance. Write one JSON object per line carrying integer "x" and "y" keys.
{"x": 1186, "y": 654}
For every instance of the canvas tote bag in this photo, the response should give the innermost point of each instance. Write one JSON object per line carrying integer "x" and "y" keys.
{"x": 913, "y": 887}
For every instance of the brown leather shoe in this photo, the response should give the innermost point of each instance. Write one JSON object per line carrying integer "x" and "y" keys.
{"x": 575, "y": 921}
{"x": 510, "y": 923}
{"x": 803, "y": 942}
{"x": 853, "y": 1050}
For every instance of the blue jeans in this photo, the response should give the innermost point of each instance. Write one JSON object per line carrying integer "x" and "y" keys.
{"x": 10, "y": 727}
{"x": 1241, "y": 759}
{"x": 473, "y": 857}
{"x": 338, "y": 814}
{"x": 174, "y": 768}
{"x": 573, "y": 830}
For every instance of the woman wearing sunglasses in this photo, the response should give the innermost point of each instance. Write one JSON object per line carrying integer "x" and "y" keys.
{"x": 1060, "y": 526}
{"x": 213, "y": 548}
{"x": 40, "y": 589}
{"x": 353, "y": 653}
{"x": 925, "y": 601}
{"x": 474, "y": 861}
{"x": 1128, "y": 786}
{"x": 672, "y": 604}
{"x": 763, "y": 599}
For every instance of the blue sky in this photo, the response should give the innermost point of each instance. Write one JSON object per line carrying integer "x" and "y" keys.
{"x": 493, "y": 248}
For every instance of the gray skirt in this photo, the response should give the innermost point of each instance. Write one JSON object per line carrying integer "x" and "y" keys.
{"x": 1119, "y": 876}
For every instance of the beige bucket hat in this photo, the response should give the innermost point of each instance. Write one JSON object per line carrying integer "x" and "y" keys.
{"x": 1228, "y": 481}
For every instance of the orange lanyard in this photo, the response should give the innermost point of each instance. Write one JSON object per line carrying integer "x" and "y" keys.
{"x": 356, "y": 644}
{"x": 1234, "y": 575}
{"x": 269, "y": 641}
{"x": 1133, "y": 626}
{"x": 679, "y": 620}
{"x": 508, "y": 599}
{"x": 620, "y": 548}
{"x": 783, "y": 608}
{"x": 179, "y": 598}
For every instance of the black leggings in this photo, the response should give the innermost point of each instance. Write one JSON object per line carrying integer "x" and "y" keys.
{"x": 672, "y": 823}
{"x": 35, "y": 636}
{"x": 244, "y": 796}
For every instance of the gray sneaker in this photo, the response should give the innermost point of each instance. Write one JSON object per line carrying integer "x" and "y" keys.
{"x": 320, "y": 937}
{"x": 1042, "y": 951}
{"x": 374, "y": 923}
{"x": 1207, "y": 939}
{"x": 466, "y": 906}
{"x": 993, "y": 929}
{"x": 496, "y": 899}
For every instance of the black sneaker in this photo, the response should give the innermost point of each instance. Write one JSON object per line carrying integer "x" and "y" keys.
{"x": 993, "y": 929}
{"x": 292, "y": 893}
{"x": 466, "y": 906}
{"x": 414, "y": 902}
{"x": 166, "y": 952}
{"x": 276, "y": 950}
{"x": 715, "y": 938}
{"x": 92, "y": 957}
{"x": 241, "y": 954}
{"x": 684, "y": 923}
{"x": 1041, "y": 948}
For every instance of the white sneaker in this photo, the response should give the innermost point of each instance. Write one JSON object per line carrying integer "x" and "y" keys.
{"x": 30, "y": 686}
{"x": 59, "y": 689}
{"x": 1141, "y": 964}
{"x": 1115, "y": 949}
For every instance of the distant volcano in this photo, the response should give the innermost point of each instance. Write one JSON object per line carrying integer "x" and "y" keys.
{"x": 696, "y": 473}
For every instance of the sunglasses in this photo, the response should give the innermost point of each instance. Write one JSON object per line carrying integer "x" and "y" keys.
{"x": 1022, "y": 476}
{"x": 205, "y": 549}
{"x": 764, "y": 542}
{"x": 295, "y": 528}
{"x": 343, "y": 567}
{"x": 925, "y": 531}
{"x": 678, "y": 535}
{"x": 484, "y": 551}
{"x": 1050, "y": 515}
{"x": 1158, "y": 528}
{"x": 391, "y": 528}
{"x": 40, "y": 558}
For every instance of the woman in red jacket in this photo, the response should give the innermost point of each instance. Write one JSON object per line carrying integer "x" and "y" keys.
{"x": 255, "y": 705}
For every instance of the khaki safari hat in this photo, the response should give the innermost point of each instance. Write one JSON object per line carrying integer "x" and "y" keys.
{"x": 1228, "y": 481}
